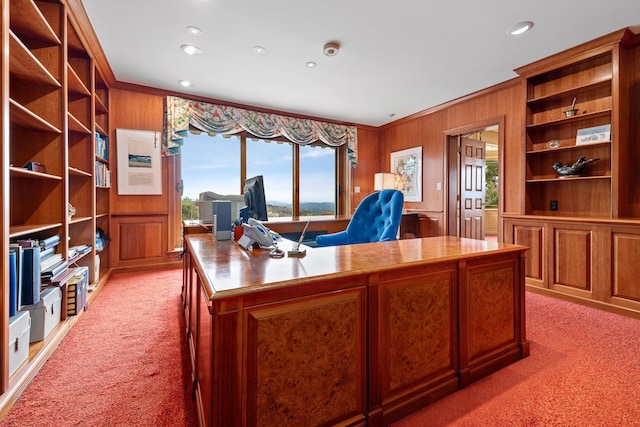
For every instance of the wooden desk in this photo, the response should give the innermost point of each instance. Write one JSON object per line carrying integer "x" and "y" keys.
{"x": 350, "y": 335}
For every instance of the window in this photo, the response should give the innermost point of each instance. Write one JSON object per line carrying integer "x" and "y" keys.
{"x": 317, "y": 180}
{"x": 273, "y": 160}
{"x": 216, "y": 163}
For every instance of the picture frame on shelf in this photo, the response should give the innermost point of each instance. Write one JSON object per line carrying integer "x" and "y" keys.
{"x": 406, "y": 165}
{"x": 594, "y": 135}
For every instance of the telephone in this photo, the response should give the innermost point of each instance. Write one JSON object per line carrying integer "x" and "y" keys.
{"x": 255, "y": 232}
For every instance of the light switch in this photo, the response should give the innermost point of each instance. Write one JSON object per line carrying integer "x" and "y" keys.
{"x": 438, "y": 186}
{"x": 356, "y": 189}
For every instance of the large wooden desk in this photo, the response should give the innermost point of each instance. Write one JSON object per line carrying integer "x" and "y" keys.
{"x": 351, "y": 335}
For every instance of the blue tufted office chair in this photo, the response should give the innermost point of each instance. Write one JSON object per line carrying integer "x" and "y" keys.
{"x": 376, "y": 219}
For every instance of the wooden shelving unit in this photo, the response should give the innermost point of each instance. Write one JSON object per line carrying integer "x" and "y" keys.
{"x": 56, "y": 103}
{"x": 583, "y": 250}
{"x": 589, "y": 80}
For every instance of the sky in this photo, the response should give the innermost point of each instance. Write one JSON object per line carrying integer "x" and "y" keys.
{"x": 213, "y": 164}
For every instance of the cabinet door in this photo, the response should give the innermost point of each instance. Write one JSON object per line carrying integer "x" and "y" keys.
{"x": 306, "y": 360}
{"x": 623, "y": 267}
{"x": 573, "y": 259}
{"x": 530, "y": 234}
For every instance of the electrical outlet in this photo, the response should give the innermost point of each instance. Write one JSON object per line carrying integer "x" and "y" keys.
{"x": 553, "y": 205}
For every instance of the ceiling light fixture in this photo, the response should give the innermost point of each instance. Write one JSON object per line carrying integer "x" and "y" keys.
{"x": 331, "y": 48}
{"x": 520, "y": 28}
{"x": 194, "y": 30}
{"x": 185, "y": 83}
{"x": 259, "y": 49}
{"x": 311, "y": 64}
{"x": 190, "y": 49}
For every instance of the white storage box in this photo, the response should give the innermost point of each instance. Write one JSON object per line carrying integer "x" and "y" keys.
{"x": 45, "y": 315}
{"x": 19, "y": 327}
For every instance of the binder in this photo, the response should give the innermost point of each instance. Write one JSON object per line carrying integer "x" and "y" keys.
{"x": 19, "y": 251}
{"x": 31, "y": 276}
{"x": 13, "y": 284}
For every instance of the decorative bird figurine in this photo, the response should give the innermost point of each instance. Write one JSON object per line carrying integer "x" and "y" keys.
{"x": 574, "y": 169}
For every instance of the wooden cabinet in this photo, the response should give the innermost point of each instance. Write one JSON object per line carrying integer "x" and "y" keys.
{"x": 574, "y": 252}
{"x": 592, "y": 262}
{"x": 55, "y": 103}
{"x": 597, "y": 78}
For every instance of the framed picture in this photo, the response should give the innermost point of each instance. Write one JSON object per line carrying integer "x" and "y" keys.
{"x": 406, "y": 165}
{"x": 593, "y": 135}
{"x": 139, "y": 162}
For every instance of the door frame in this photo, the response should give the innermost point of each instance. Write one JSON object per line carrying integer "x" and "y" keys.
{"x": 452, "y": 171}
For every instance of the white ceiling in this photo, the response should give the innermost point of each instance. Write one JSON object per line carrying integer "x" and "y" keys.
{"x": 396, "y": 57}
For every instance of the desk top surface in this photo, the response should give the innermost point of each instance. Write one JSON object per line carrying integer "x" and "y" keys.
{"x": 229, "y": 270}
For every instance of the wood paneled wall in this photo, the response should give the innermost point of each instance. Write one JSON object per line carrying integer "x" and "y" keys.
{"x": 429, "y": 128}
{"x": 143, "y": 109}
{"x": 140, "y": 224}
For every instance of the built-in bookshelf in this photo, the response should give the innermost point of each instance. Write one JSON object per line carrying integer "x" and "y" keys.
{"x": 102, "y": 169}
{"x": 584, "y": 92}
{"x": 58, "y": 109}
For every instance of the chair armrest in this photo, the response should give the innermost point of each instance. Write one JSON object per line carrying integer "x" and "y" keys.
{"x": 332, "y": 239}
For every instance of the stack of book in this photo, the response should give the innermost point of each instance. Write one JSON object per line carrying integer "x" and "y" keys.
{"x": 34, "y": 265}
{"x": 52, "y": 265}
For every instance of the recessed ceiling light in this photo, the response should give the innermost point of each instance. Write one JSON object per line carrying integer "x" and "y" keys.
{"x": 520, "y": 27}
{"x": 185, "y": 83}
{"x": 190, "y": 49}
{"x": 194, "y": 30}
{"x": 259, "y": 49}
{"x": 311, "y": 64}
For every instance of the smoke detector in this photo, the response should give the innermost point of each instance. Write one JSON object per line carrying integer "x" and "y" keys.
{"x": 331, "y": 49}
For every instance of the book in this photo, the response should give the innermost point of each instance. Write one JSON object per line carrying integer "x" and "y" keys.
{"x": 49, "y": 261}
{"x": 19, "y": 251}
{"x": 31, "y": 276}
{"x": 27, "y": 243}
{"x": 81, "y": 249}
{"x": 593, "y": 135}
{"x": 60, "y": 279}
{"x": 13, "y": 284}
{"x": 55, "y": 269}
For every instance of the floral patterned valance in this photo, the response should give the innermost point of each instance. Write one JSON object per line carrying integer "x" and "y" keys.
{"x": 224, "y": 120}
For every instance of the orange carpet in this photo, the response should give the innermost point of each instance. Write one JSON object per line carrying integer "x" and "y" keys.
{"x": 123, "y": 364}
{"x": 584, "y": 370}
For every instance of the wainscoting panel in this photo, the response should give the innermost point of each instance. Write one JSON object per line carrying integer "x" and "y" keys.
{"x": 572, "y": 258}
{"x": 138, "y": 240}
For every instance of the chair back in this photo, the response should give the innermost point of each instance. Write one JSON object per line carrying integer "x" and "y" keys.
{"x": 377, "y": 217}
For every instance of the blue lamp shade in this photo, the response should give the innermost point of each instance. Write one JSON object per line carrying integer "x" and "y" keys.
{"x": 384, "y": 181}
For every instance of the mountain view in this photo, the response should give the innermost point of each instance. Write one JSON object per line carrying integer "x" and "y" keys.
{"x": 276, "y": 209}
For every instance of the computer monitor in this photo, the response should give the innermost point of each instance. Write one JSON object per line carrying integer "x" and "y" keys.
{"x": 254, "y": 200}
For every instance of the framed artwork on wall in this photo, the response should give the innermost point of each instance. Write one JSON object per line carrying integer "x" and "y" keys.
{"x": 406, "y": 165}
{"x": 139, "y": 162}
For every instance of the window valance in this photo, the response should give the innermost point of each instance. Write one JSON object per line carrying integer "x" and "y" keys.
{"x": 224, "y": 120}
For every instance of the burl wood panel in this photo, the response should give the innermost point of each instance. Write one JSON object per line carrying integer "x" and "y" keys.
{"x": 491, "y": 308}
{"x": 572, "y": 258}
{"x": 419, "y": 322}
{"x": 531, "y": 236}
{"x": 626, "y": 268}
{"x": 308, "y": 368}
